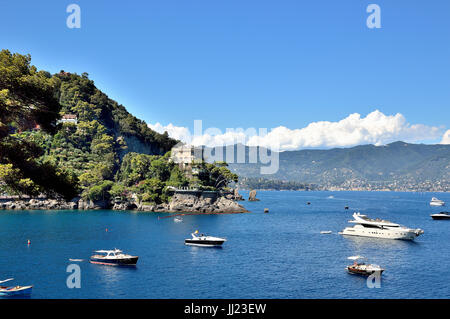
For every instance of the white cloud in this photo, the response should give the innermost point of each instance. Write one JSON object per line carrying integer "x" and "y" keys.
{"x": 446, "y": 138}
{"x": 376, "y": 128}
{"x": 176, "y": 132}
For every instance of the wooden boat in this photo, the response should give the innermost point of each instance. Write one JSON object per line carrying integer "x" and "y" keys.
{"x": 14, "y": 291}
{"x": 363, "y": 269}
{"x": 113, "y": 258}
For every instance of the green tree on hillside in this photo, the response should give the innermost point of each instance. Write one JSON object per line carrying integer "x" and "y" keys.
{"x": 27, "y": 99}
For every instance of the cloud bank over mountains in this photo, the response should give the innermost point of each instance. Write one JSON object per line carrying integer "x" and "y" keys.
{"x": 376, "y": 128}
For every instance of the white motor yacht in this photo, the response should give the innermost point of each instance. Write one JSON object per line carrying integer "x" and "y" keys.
{"x": 379, "y": 228}
{"x": 436, "y": 202}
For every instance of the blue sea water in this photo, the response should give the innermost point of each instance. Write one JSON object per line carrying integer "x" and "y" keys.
{"x": 276, "y": 255}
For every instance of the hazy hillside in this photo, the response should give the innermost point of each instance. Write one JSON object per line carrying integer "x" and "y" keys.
{"x": 397, "y": 165}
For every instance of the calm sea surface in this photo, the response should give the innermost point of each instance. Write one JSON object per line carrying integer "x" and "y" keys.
{"x": 277, "y": 255}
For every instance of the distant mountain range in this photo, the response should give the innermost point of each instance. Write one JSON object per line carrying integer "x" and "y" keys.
{"x": 397, "y": 166}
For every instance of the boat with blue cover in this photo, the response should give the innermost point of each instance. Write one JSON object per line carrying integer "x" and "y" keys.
{"x": 14, "y": 291}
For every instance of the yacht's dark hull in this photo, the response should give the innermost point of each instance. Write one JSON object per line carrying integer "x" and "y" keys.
{"x": 132, "y": 261}
{"x": 205, "y": 243}
{"x": 440, "y": 217}
{"x": 362, "y": 272}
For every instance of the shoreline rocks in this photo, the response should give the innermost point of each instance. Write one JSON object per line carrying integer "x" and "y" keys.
{"x": 39, "y": 204}
{"x": 179, "y": 203}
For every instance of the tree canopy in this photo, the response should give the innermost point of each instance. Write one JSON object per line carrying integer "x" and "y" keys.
{"x": 27, "y": 100}
{"x": 105, "y": 152}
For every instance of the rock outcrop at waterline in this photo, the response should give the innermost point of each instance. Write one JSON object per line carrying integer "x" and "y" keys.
{"x": 38, "y": 204}
{"x": 190, "y": 203}
{"x": 236, "y": 195}
{"x": 252, "y": 196}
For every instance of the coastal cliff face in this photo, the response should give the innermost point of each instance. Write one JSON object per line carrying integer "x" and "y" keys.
{"x": 134, "y": 144}
{"x": 186, "y": 203}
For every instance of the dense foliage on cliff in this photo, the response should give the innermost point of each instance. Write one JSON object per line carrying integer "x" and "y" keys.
{"x": 147, "y": 176}
{"x": 27, "y": 99}
{"x": 37, "y": 155}
{"x": 151, "y": 177}
{"x": 97, "y": 150}
{"x": 215, "y": 175}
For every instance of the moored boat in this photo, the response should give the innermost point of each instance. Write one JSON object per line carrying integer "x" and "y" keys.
{"x": 441, "y": 215}
{"x": 436, "y": 202}
{"x": 14, "y": 291}
{"x": 178, "y": 219}
{"x": 378, "y": 228}
{"x": 204, "y": 240}
{"x": 361, "y": 268}
{"x": 113, "y": 257}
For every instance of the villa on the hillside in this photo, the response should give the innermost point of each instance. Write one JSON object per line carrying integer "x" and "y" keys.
{"x": 69, "y": 118}
{"x": 187, "y": 156}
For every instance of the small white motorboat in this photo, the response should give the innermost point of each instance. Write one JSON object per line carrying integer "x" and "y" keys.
{"x": 204, "y": 240}
{"x": 326, "y": 232}
{"x": 436, "y": 202}
{"x": 178, "y": 219}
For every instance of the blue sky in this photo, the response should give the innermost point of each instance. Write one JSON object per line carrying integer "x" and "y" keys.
{"x": 246, "y": 63}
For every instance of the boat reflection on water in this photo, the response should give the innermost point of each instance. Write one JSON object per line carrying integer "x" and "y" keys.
{"x": 109, "y": 278}
{"x": 358, "y": 243}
